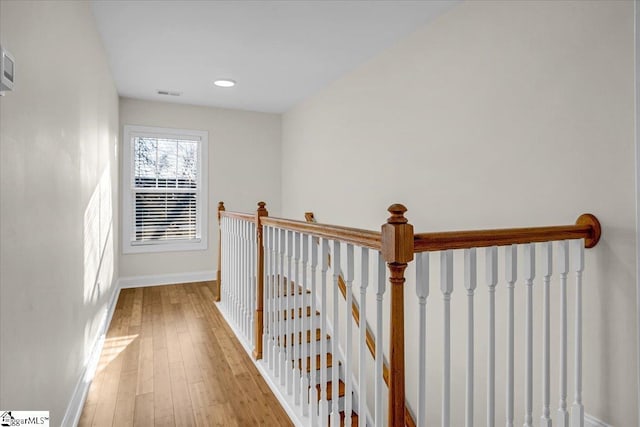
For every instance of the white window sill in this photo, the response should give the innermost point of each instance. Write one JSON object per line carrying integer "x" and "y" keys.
{"x": 164, "y": 247}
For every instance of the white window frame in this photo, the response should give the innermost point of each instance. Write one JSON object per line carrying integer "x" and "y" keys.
{"x": 130, "y": 132}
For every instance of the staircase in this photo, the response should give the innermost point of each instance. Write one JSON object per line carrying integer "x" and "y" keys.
{"x": 306, "y": 340}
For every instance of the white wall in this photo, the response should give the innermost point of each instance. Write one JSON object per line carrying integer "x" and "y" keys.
{"x": 637, "y": 138}
{"x": 58, "y": 165}
{"x": 244, "y": 168}
{"x": 497, "y": 114}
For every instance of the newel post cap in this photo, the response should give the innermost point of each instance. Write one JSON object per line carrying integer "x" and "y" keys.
{"x": 397, "y": 236}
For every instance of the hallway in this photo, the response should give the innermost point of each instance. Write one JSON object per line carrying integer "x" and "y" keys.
{"x": 170, "y": 359}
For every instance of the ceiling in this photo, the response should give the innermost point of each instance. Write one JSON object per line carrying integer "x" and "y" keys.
{"x": 279, "y": 52}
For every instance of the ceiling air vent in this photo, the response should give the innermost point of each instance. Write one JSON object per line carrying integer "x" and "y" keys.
{"x": 168, "y": 93}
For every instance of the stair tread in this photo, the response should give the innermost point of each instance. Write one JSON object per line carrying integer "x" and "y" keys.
{"x": 329, "y": 362}
{"x": 288, "y": 314}
{"x": 341, "y": 389}
{"x": 317, "y": 338}
{"x": 289, "y": 290}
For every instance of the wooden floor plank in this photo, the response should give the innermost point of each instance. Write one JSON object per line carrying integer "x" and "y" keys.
{"x": 143, "y": 413}
{"x": 162, "y": 400}
{"x": 170, "y": 359}
{"x": 125, "y": 402}
{"x": 145, "y": 367}
{"x": 182, "y": 406}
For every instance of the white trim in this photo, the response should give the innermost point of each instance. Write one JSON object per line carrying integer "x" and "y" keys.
{"x": 236, "y": 331}
{"x": 166, "y": 279}
{"x": 286, "y": 402}
{"x": 590, "y": 421}
{"x": 202, "y": 199}
{"x": 79, "y": 396}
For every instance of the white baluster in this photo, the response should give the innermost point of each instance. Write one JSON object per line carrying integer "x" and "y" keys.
{"x": 232, "y": 269}
{"x": 577, "y": 410}
{"x": 254, "y": 285}
{"x": 348, "y": 369}
{"x": 324, "y": 404}
{"x": 240, "y": 270}
{"x": 227, "y": 266}
{"x": 422, "y": 291}
{"x": 266, "y": 314}
{"x": 511, "y": 264}
{"x": 225, "y": 263}
{"x": 237, "y": 264}
{"x": 304, "y": 379}
{"x": 275, "y": 303}
{"x": 282, "y": 310}
{"x": 446, "y": 286}
{"x": 362, "y": 377}
{"x": 296, "y": 319}
{"x": 290, "y": 298}
{"x": 223, "y": 251}
{"x": 251, "y": 282}
{"x": 244, "y": 285}
{"x": 335, "y": 339}
{"x": 491, "y": 258}
{"x": 314, "y": 396}
{"x": 470, "y": 283}
{"x": 236, "y": 267}
{"x": 379, "y": 385}
{"x": 529, "y": 275}
{"x": 563, "y": 268}
{"x": 547, "y": 269}
{"x": 241, "y": 273}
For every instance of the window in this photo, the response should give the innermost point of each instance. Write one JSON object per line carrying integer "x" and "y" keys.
{"x": 164, "y": 189}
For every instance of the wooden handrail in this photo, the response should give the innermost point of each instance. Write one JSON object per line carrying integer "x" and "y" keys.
{"x": 367, "y": 238}
{"x": 586, "y": 227}
{"x": 370, "y": 340}
{"x": 238, "y": 215}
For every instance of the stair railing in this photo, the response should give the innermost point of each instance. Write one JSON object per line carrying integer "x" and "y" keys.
{"x": 284, "y": 255}
{"x": 368, "y": 338}
{"x": 241, "y": 268}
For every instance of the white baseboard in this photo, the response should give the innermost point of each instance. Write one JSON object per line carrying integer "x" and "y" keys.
{"x": 166, "y": 279}
{"x": 74, "y": 409}
{"x": 591, "y": 421}
{"x": 286, "y": 402}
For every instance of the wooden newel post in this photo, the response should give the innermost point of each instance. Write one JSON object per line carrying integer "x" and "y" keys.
{"x": 218, "y": 273}
{"x": 258, "y": 318}
{"x": 397, "y": 250}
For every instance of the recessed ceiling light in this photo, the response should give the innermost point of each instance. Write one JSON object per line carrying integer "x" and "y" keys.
{"x": 224, "y": 83}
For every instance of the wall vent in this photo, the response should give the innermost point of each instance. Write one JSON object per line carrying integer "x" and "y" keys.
{"x": 168, "y": 93}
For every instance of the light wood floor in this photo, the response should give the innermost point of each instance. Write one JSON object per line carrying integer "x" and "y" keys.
{"x": 170, "y": 359}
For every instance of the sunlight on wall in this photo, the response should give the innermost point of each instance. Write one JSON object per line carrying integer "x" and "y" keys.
{"x": 98, "y": 239}
{"x": 98, "y": 257}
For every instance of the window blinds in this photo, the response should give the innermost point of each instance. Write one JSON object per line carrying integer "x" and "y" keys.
{"x": 165, "y": 190}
